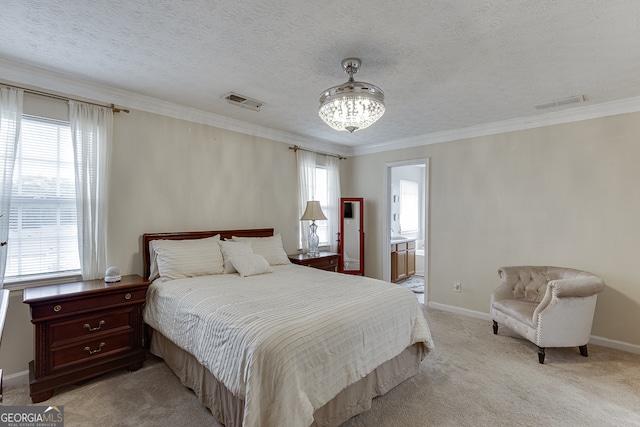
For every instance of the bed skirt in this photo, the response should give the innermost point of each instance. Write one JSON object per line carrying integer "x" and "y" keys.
{"x": 229, "y": 409}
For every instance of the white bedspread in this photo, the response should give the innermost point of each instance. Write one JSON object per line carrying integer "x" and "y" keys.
{"x": 289, "y": 341}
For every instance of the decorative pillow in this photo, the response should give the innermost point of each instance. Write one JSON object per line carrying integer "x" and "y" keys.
{"x": 176, "y": 259}
{"x": 250, "y": 264}
{"x": 269, "y": 247}
{"x": 230, "y": 249}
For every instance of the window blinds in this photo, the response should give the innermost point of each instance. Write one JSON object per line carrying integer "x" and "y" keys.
{"x": 42, "y": 230}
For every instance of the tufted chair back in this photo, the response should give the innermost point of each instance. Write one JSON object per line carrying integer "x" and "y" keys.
{"x": 529, "y": 283}
{"x": 550, "y": 306}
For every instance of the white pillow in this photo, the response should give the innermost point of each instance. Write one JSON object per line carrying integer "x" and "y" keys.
{"x": 177, "y": 259}
{"x": 153, "y": 263}
{"x": 269, "y": 247}
{"x": 250, "y": 264}
{"x": 230, "y": 249}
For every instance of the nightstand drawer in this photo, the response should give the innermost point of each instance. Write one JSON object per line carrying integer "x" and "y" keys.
{"x": 85, "y": 303}
{"x": 88, "y": 326}
{"x": 325, "y": 263}
{"x": 90, "y": 350}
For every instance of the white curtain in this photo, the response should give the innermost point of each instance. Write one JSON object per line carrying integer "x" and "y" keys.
{"x": 333, "y": 189}
{"x": 91, "y": 131}
{"x": 306, "y": 181}
{"x": 10, "y": 119}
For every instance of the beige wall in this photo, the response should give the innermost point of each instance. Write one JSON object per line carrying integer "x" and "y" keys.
{"x": 566, "y": 195}
{"x": 173, "y": 175}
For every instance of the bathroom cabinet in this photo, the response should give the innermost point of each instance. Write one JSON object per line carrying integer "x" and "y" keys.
{"x": 403, "y": 260}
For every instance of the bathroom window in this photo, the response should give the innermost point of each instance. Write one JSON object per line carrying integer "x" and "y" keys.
{"x": 409, "y": 210}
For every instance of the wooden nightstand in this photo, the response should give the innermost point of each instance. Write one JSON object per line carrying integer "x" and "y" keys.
{"x": 84, "y": 329}
{"x": 326, "y": 261}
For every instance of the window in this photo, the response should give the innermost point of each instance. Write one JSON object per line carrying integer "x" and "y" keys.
{"x": 319, "y": 179}
{"x": 409, "y": 210}
{"x": 42, "y": 225}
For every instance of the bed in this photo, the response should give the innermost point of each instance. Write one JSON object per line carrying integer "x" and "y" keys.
{"x": 264, "y": 342}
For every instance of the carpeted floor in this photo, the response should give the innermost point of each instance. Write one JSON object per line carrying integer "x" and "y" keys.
{"x": 472, "y": 378}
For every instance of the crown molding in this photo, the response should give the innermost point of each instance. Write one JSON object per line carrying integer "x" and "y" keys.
{"x": 49, "y": 81}
{"x": 61, "y": 84}
{"x": 586, "y": 112}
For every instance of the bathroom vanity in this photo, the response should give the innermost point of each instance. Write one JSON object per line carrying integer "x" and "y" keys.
{"x": 403, "y": 258}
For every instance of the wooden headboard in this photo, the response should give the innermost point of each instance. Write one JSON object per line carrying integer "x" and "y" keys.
{"x": 186, "y": 235}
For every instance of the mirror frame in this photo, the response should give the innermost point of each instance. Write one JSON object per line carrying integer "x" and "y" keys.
{"x": 360, "y": 220}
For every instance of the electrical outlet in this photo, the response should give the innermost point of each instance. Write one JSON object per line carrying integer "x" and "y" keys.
{"x": 457, "y": 287}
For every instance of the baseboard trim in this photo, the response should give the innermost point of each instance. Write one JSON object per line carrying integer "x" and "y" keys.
{"x": 595, "y": 340}
{"x": 615, "y": 344}
{"x": 18, "y": 378}
{"x": 458, "y": 310}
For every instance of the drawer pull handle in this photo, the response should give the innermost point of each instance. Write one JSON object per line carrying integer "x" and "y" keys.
{"x": 87, "y": 349}
{"x": 57, "y": 308}
{"x": 127, "y": 296}
{"x": 90, "y": 329}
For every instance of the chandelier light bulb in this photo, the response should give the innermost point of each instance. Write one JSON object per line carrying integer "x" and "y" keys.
{"x": 351, "y": 106}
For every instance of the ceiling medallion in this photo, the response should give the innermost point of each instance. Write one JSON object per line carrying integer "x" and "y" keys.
{"x": 353, "y": 105}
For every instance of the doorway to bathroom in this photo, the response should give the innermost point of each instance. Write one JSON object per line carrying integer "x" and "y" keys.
{"x": 406, "y": 225}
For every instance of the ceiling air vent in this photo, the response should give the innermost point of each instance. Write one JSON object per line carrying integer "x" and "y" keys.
{"x": 559, "y": 102}
{"x": 243, "y": 101}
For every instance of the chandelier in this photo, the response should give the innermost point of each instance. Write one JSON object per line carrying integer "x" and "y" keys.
{"x": 353, "y": 105}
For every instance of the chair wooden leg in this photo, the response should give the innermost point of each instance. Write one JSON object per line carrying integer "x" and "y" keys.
{"x": 583, "y": 350}
{"x": 495, "y": 328}
{"x": 541, "y": 355}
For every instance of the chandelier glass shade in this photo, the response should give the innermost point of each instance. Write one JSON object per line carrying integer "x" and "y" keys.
{"x": 353, "y": 105}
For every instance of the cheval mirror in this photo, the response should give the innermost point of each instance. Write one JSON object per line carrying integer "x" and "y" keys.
{"x": 351, "y": 236}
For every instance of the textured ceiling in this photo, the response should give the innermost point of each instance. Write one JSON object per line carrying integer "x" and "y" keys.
{"x": 443, "y": 65}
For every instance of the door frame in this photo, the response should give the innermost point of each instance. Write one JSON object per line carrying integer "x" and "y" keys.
{"x": 386, "y": 221}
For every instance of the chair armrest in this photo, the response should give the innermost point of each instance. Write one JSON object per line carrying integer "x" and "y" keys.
{"x": 578, "y": 287}
{"x": 557, "y": 290}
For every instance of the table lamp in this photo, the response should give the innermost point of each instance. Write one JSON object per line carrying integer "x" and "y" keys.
{"x": 312, "y": 213}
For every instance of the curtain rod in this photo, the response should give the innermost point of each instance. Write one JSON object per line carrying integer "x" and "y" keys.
{"x": 296, "y": 148}
{"x": 66, "y": 98}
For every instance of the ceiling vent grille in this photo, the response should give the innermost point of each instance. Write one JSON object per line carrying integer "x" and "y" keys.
{"x": 243, "y": 101}
{"x": 560, "y": 102}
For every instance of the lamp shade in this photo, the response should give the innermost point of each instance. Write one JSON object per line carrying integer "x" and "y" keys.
{"x": 313, "y": 212}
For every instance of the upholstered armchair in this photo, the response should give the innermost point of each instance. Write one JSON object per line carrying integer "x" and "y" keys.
{"x": 549, "y": 306}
